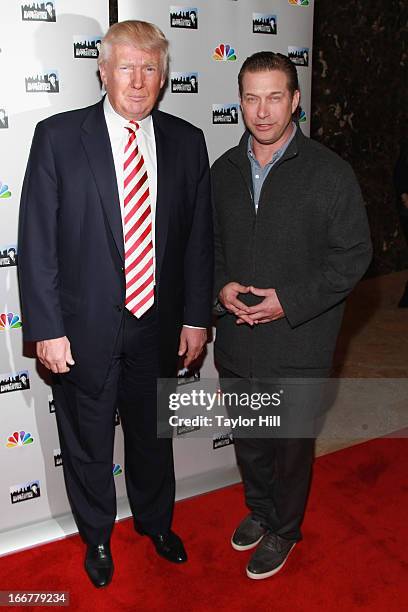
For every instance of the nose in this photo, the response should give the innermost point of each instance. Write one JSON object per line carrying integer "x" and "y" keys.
{"x": 263, "y": 109}
{"x": 137, "y": 78}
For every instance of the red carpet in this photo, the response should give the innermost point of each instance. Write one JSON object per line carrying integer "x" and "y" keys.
{"x": 353, "y": 556}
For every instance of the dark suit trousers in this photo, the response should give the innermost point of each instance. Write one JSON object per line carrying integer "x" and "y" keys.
{"x": 86, "y": 430}
{"x": 276, "y": 474}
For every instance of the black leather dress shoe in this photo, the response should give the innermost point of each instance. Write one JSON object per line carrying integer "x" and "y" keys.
{"x": 169, "y": 546}
{"x": 99, "y": 564}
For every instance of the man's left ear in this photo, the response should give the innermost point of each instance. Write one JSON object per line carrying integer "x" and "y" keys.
{"x": 295, "y": 100}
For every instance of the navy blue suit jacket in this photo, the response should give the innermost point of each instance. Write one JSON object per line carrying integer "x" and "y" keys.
{"x": 71, "y": 252}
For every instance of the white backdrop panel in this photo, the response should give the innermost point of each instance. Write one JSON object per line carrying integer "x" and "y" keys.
{"x": 30, "y": 50}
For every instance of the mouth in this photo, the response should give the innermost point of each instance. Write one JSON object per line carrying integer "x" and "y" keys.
{"x": 263, "y": 127}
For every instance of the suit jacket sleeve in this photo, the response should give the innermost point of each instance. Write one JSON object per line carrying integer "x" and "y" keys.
{"x": 347, "y": 257}
{"x": 37, "y": 243}
{"x": 198, "y": 259}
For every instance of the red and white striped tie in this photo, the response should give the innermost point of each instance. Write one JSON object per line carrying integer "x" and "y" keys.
{"x": 139, "y": 270}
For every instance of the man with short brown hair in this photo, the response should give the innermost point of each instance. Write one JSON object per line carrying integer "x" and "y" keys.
{"x": 291, "y": 241}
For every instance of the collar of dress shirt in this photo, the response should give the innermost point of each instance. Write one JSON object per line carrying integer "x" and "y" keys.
{"x": 117, "y": 122}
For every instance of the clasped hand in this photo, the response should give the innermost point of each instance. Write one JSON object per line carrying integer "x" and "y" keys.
{"x": 266, "y": 311}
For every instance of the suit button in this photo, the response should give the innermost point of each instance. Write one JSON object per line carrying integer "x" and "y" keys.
{"x": 119, "y": 308}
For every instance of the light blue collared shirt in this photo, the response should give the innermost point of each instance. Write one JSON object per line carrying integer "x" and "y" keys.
{"x": 259, "y": 174}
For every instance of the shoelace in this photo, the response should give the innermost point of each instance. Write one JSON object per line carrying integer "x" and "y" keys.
{"x": 273, "y": 542}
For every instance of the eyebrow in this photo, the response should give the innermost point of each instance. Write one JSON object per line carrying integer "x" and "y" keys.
{"x": 272, "y": 93}
{"x": 145, "y": 63}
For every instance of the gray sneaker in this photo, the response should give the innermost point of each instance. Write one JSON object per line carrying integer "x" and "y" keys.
{"x": 248, "y": 534}
{"x": 269, "y": 557}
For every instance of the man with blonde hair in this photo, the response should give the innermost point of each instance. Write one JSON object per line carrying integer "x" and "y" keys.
{"x": 116, "y": 274}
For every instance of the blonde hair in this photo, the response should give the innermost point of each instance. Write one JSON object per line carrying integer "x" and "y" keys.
{"x": 140, "y": 34}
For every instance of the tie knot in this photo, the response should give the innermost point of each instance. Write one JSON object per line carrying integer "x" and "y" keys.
{"x": 132, "y": 126}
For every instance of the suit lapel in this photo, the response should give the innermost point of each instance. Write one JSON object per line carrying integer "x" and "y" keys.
{"x": 95, "y": 139}
{"x": 166, "y": 152}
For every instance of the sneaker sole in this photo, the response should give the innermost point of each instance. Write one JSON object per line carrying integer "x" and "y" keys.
{"x": 272, "y": 572}
{"x": 246, "y": 546}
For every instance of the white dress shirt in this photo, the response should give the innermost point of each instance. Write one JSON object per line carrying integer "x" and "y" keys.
{"x": 119, "y": 135}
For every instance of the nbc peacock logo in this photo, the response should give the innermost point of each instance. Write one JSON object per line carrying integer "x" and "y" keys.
{"x": 10, "y": 320}
{"x": 299, "y": 2}
{"x": 302, "y": 117}
{"x": 117, "y": 470}
{"x": 18, "y": 439}
{"x": 224, "y": 53}
{"x": 4, "y": 191}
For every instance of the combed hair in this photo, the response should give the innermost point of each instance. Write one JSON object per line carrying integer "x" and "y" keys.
{"x": 140, "y": 34}
{"x": 267, "y": 60}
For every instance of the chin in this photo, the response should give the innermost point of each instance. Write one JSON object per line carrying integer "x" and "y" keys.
{"x": 270, "y": 137}
{"x": 266, "y": 139}
{"x": 136, "y": 113}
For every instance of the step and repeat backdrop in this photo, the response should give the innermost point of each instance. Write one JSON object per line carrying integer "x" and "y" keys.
{"x": 48, "y": 53}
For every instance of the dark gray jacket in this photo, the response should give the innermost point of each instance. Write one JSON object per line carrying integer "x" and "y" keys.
{"x": 309, "y": 240}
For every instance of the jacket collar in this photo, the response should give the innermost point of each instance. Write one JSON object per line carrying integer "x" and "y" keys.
{"x": 95, "y": 140}
{"x": 167, "y": 153}
{"x": 239, "y": 154}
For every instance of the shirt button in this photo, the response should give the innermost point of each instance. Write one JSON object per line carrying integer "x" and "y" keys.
{"x": 256, "y": 175}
